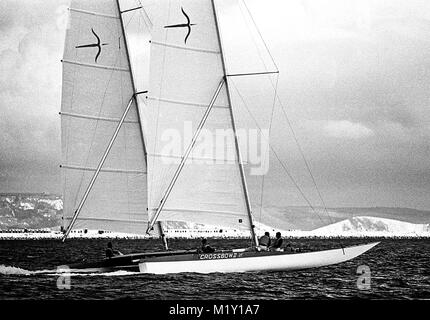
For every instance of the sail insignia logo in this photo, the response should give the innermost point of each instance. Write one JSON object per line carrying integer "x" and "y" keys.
{"x": 98, "y": 45}
{"x": 183, "y": 25}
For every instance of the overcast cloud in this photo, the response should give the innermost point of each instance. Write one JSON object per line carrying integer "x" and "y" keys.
{"x": 355, "y": 79}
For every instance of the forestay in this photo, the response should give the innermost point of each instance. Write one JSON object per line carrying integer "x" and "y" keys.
{"x": 186, "y": 69}
{"x": 97, "y": 86}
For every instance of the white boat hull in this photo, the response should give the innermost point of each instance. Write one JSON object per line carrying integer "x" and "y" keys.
{"x": 239, "y": 262}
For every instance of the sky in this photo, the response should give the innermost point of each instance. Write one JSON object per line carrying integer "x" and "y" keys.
{"x": 354, "y": 79}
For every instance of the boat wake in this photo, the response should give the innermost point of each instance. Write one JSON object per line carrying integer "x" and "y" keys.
{"x": 9, "y": 270}
{"x": 120, "y": 273}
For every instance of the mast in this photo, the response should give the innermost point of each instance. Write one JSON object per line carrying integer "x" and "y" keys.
{"x": 242, "y": 172}
{"x": 131, "y": 73}
{"x": 162, "y": 235}
{"x": 160, "y": 226}
{"x": 134, "y": 90}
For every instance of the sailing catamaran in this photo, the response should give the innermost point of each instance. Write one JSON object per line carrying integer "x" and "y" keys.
{"x": 117, "y": 174}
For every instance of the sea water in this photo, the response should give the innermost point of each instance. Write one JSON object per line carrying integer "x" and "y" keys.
{"x": 395, "y": 269}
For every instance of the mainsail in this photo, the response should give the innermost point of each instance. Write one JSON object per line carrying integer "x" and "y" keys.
{"x": 186, "y": 68}
{"x": 97, "y": 87}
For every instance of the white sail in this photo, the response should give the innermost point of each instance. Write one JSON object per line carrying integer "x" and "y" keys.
{"x": 97, "y": 86}
{"x": 185, "y": 70}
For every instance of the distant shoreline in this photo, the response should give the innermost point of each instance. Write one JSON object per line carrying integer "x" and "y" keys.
{"x": 22, "y": 237}
{"x": 339, "y": 207}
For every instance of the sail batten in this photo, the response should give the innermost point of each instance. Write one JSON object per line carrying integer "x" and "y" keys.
{"x": 186, "y": 103}
{"x": 97, "y": 90}
{"x": 93, "y": 219}
{"x": 97, "y": 118}
{"x": 221, "y": 212}
{"x": 184, "y": 48}
{"x": 118, "y": 170}
{"x": 192, "y": 157}
{"x": 94, "y": 13}
{"x": 92, "y": 65}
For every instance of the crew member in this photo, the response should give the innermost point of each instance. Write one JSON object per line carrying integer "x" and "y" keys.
{"x": 205, "y": 247}
{"x": 264, "y": 241}
{"x": 277, "y": 244}
{"x": 110, "y": 252}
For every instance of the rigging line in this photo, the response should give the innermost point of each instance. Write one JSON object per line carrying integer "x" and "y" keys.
{"x": 304, "y": 159}
{"x": 124, "y": 127}
{"x": 307, "y": 165}
{"x": 302, "y": 153}
{"x": 155, "y": 140}
{"x": 129, "y": 20}
{"x": 134, "y": 9}
{"x": 69, "y": 132}
{"x": 268, "y": 155}
{"x": 284, "y": 112}
{"x": 252, "y": 73}
{"x": 165, "y": 173}
{"x": 169, "y": 171}
{"x": 276, "y": 95}
{"x": 145, "y": 16}
{"x": 282, "y": 107}
{"x": 257, "y": 48}
{"x": 95, "y": 130}
{"x": 260, "y": 54}
{"x": 139, "y": 28}
{"x": 286, "y": 170}
{"x": 259, "y": 33}
{"x": 278, "y": 158}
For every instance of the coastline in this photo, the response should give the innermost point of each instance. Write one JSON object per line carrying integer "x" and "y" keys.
{"x": 57, "y": 235}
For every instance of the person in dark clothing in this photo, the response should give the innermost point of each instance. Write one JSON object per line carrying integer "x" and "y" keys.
{"x": 277, "y": 244}
{"x": 110, "y": 252}
{"x": 206, "y": 248}
{"x": 265, "y": 241}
